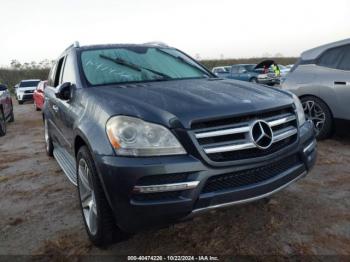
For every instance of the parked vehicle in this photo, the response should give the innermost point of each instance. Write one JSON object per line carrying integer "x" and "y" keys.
{"x": 321, "y": 78}
{"x": 151, "y": 137}
{"x": 25, "y": 90}
{"x": 284, "y": 70}
{"x": 6, "y": 109}
{"x": 38, "y": 95}
{"x": 251, "y": 73}
{"x": 221, "y": 70}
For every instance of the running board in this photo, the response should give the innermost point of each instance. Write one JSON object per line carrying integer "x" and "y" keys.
{"x": 66, "y": 162}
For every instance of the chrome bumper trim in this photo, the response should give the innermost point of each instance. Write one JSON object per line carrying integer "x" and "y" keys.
{"x": 165, "y": 187}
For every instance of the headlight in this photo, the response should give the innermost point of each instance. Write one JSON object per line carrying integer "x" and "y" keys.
{"x": 134, "y": 137}
{"x": 299, "y": 109}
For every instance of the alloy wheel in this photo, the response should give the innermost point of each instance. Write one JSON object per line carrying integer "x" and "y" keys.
{"x": 315, "y": 113}
{"x": 87, "y": 196}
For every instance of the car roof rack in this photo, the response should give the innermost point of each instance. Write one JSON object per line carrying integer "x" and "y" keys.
{"x": 157, "y": 43}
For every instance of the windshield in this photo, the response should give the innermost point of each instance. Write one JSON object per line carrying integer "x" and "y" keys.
{"x": 29, "y": 84}
{"x": 138, "y": 64}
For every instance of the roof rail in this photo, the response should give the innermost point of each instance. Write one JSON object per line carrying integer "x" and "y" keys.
{"x": 157, "y": 43}
{"x": 75, "y": 44}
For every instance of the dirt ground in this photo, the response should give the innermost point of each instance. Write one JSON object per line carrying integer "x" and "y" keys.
{"x": 39, "y": 211}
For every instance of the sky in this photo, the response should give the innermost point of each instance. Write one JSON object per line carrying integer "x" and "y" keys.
{"x": 41, "y": 29}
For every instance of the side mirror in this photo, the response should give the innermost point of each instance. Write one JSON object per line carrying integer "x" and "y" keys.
{"x": 64, "y": 91}
{"x": 3, "y": 88}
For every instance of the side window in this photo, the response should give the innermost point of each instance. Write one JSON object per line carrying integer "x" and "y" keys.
{"x": 241, "y": 70}
{"x": 345, "y": 61}
{"x": 58, "y": 72}
{"x": 51, "y": 78}
{"x": 234, "y": 70}
{"x": 331, "y": 58}
{"x": 68, "y": 74}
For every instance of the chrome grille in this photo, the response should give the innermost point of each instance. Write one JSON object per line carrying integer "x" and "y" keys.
{"x": 231, "y": 139}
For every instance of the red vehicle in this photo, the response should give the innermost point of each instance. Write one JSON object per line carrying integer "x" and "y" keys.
{"x": 38, "y": 95}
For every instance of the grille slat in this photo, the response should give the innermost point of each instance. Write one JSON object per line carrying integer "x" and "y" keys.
{"x": 249, "y": 177}
{"x": 231, "y": 140}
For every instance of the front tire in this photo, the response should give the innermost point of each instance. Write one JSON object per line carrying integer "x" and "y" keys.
{"x": 97, "y": 215}
{"x": 20, "y": 102}
{"x": 319, "y": 113}
{"x": 2, "y": 123}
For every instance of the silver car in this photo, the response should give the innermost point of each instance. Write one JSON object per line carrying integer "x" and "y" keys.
{"x": 321, "y": 79}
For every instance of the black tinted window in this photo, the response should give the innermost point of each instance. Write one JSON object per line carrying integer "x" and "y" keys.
{"x": 345, "y": 60}
{"x": 331, "y": 58}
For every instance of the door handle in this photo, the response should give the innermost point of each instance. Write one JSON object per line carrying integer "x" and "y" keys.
{"x": 55, "y": 108}
{"x": 340, "y": 83}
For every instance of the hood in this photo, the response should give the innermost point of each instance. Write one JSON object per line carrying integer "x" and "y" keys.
{"x": 189, "y": 100}
{"x": 265, "y": 63}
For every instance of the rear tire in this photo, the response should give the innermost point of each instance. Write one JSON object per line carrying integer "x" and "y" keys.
{"x": 318, "y": 111}
{"x": 20, "y": 102}
{"x": 2, "y": 123}
{"x": 97, "y": 215}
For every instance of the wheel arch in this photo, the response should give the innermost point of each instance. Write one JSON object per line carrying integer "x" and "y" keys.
{"x": 81, "y": 140}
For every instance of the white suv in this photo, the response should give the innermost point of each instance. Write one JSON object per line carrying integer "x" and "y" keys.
{"x": 25, "y": 90}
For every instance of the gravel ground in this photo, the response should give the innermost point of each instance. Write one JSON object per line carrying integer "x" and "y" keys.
{"x": 39, "y": 211}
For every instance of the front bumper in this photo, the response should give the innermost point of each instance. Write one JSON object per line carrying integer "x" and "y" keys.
{"x": 269, "y": 81}
{"x": 25, "y": 97}
{"x": 157, "y": 191}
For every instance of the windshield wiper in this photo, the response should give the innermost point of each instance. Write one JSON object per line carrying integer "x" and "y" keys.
{"x": 185, "y": 62}
{"x": 138, "y": 68}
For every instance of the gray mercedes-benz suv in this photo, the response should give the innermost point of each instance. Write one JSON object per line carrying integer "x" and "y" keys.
{"x": 321, "y": 79}
{"x": 151, "y": 137}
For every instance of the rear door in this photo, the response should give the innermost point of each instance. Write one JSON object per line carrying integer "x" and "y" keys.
{"x": 243, "y": 73}
{"x": 67, "y": 111}
{"x": 336, "y": 75}
{"x": 342, "y": 83}
{"x": 52, "y": 104}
